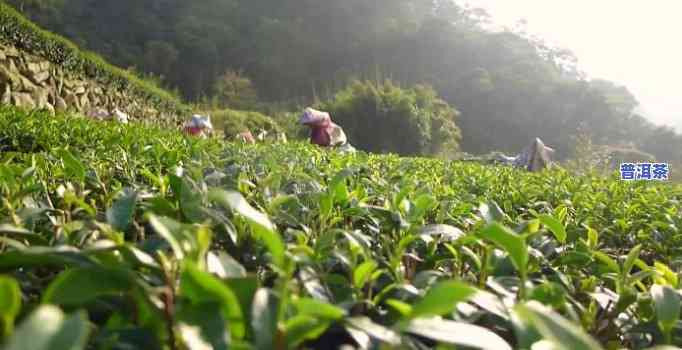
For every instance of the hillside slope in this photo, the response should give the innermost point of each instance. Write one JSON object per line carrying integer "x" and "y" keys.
{"x": 508, "y": 87}
{"x": 43, "y": 70}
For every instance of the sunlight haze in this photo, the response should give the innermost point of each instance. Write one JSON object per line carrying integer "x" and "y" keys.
{"x": 633, "y": 43}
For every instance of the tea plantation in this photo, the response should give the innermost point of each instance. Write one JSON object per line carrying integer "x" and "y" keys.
{"x": 127, "y": 237}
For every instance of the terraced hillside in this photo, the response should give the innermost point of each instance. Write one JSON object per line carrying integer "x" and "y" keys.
{"x": 127, "y": 237}
{"x": 39, "y": 69}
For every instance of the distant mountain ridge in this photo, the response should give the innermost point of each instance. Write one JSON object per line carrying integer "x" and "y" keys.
{"x": 670, "y": 120}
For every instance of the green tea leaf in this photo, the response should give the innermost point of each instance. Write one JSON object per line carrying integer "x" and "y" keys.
{"x": 338, "y": 188}
{"x": 264, "y": 318}
{"x": 79, "y": 286}
{"x": 236, "y": 202}
{"x": 190, "y": 200}
{"x": 168, "y": 230}
{"x": 665, "y": 275}
{"x": 120, "y": 215}
{"x": 44, "y": 256}
{"x": 490, "y": 303}
{"x": 630, "y": 260}
{"x": 526, "y": 334}
{"x": 10, "y": 303}
{"x": 422, "y": 204}
{"x": 189, "y": 242}
{"x": 511, "y": 242}
{"x": 364, "y": 324}
{"x": 73, "y": 333}
{"x": 611, "y": 264}
{"x": 442, "y": 298}
{"x": 201, "y": 287}
{"x": 592, "y": 237}
{"x": 564, "y": 334}
{"x": 47, "y": 328}
{"x": 491, "y": 212}
{"x": 667, "y": 303}
{"x": 13, "y": 230}
{"x": 404, "y": 309}
{"x": 362, "y": 273}
{"x": 244, "y": 288}
{"x": 548, "y": 293}
{"x": 303, "y": 327}
{"x": 224, "y": 266}
{"x": 200, "y": 332}
{"x": 264, "y": 229}
{"x": 72, "y": 166}
{"x": 319, "y": 309}
{"x": 555, "y": 226}
{"x": 457, "y": 333}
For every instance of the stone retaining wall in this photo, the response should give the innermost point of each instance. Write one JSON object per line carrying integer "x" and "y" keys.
{"x": 31, "y": 81}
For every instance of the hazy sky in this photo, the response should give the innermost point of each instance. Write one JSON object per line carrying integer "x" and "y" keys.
{"x": 636, "y": 43}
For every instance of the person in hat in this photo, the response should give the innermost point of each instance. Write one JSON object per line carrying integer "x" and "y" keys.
{"x": 534, "y": 157}
{"x": 199, "y": 126}
{"x": 120, "y": 116}
{"x": 246, "y": 137}
{"x": 323, "y": 131}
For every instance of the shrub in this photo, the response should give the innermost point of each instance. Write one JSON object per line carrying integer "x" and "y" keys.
{"x": 589, "y": 157}
{"x": 232, "y": 121}
{"x": 386, "y": 118}
{"x": 234, "y": 90}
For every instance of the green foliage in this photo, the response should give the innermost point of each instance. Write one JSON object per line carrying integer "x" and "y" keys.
{"x": 232, "y": 122}
{"x": 48, "y": 328}
{"x": 125, "y": 236}
{"x": 509, "y": 87}
{"x": 667, "y": 302}
{"x": 560, "y": 332}
{"x": 385, "y": 118}
{"x": 441, "y": 299}
{"x": 458, "y": 333}
{"x": 10, "y": 303}
{"x": 23, "y": 34}
{"x": 234, "y": 90}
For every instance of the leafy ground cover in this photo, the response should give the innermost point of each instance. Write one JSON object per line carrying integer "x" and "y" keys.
{"x": 123, "y": 237}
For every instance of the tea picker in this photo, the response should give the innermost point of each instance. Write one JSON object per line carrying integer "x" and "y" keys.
{"x": 199, "y": 126}
{"x": 323, "y": 131}
{"x": 246, "y": 137}
{"x": 102, "y": 114}
{"x": 120, "y": 116}
{"x": 533, "y": 158}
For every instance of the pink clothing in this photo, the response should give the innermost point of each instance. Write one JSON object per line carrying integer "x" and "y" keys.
{"x": 246, "y": 137}
{"x": 321, "y": 133}
{"x": 193, "y": 130}
{"x": 198, "y": 126}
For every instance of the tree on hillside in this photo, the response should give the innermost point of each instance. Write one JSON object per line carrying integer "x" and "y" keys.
{"x": 508, "y": 85}
{"x": 159, "y": 57}
{"x": 385, "y": 118}
{"x": 234, "y": 90}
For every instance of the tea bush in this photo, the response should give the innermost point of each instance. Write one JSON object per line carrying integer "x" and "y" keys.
{"x": 231, "y": 122}
{"x": 382, "y": 117}
{"x": 122, "y": 236}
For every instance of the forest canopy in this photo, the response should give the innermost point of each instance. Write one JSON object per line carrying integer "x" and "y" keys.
{"x": 508, "y": 86}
